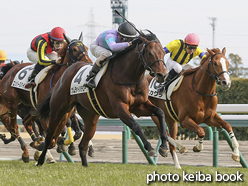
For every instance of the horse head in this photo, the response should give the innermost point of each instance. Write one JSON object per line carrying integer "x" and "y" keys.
{"x": 218, "y": 65}
{"x": 152, "y": 56}
{"x": 77, "y": 51}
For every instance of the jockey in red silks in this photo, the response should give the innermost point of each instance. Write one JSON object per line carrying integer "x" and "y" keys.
{"x": 42, "y": 51}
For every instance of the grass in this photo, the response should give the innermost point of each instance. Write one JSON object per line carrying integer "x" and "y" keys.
{"x": 17, "y": 173}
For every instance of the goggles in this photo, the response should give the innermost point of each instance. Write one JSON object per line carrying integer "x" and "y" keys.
{"x": 126, "y": 39}
{"x": 190, "y": 47}
{"x": 58, "y": 42}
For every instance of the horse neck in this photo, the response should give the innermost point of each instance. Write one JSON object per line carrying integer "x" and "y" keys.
{"x": 203, "y": 82}
{"x": 130, "y": 67}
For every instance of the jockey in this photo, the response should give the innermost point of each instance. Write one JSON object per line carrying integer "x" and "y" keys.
{"x": 182, "y": 51}
{"x": 107, "y": 43}
{"x": 3, "y": 58}
{"x": 42, "y": 51}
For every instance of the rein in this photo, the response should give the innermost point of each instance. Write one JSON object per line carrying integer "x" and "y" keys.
{"x": 212, "y": 75}
{"x": 147, "y": 67}
{"x": 141, "y": 56}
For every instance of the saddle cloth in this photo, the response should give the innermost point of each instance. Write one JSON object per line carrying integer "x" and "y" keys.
{"x": 166, "y": 94}
{"x": 77, "y": 83}
{"x": 21, "y": 77}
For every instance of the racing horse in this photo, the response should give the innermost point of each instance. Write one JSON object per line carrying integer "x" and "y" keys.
{"x": 11, "y": 97}
{"x": 122, "y": 90}
{"x": 194, "y": 101}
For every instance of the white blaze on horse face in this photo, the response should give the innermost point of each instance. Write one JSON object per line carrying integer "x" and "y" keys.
{"x": 226, "y": 76}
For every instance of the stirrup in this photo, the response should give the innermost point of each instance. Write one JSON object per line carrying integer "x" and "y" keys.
{"x": 90, "y": 84}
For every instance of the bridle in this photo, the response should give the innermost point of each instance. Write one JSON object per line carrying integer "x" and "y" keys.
{"x": 212, "y": 75}
{"x": 143, "y": 60}
{"x": 144, "y": 63}
{"x": 81, "y": 50}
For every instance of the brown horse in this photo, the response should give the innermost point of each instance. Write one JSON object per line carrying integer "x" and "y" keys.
{"x": 195, "y": 101}
{"x": 122, "y": 90}
{"x": 11, "y": 97}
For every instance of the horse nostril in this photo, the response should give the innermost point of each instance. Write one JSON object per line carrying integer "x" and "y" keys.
{"x": 224, "y": 82}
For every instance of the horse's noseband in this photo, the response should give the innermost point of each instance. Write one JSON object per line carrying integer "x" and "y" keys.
{"x": 214, "y": 76}
{"x": 81, "y": 50}
{"x": 141, "y": 56}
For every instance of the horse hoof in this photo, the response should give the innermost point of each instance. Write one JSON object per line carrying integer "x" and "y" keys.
{"x": 152, "y": 153}
{"x": 37, "y": 155}
{"x": 34, "y": 144}
{"x": 37, "y": 165}
{"x": 236, "y": 158}
{"x": 71, "y": 151}
{"x": 163, "y": 152}
{"x": 183, "y": 150}
{"x": 91, "y": 152}
{"x": 40, "y": 139}
{"x": 195, "y": 149}
{"x": 50, "y": 160}
{"x": 25, "y": 159}
{"x": 77, "y": 135}
{"x": 2, "y": 136}
{"x": 61, "y": 146}
{"x": 41, "y": 146}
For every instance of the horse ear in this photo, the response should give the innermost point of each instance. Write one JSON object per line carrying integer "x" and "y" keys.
{"x": 210, "y": 51}
{"x": 81, "y": 37}
{"x": 21, "y": 61}
{"x": 68, "y": 40}
{"x": 224, "y": 50}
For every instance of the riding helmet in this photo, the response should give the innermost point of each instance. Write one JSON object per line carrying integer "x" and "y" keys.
{"x": 127, "y": 30}
{"x": 3, "y": 55}
{"x": 57, "y": 33}
{"x": 192, "y": 39}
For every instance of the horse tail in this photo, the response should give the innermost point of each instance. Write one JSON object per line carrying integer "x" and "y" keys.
{"x": 43, "y": 109}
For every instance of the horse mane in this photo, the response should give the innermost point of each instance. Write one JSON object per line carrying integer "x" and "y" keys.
{"x": 61, "y": 52}
{"x": 148, "y": 35}
{"x": 208, "y": 55}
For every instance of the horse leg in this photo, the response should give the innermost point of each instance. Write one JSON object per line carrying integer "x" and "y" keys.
{"x": 190, "y": 124}
{"x": 28, "y": 123}
{"x": 217, "y": 121}
{"x": 90, "y": 121}
{"x": 78, "y": 127}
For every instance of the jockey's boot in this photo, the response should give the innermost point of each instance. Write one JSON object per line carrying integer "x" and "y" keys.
{"x": 170, "y": 76}
{"x": 172, "y": 73}
{"x": 99, "y": 63}
{"x": 31, "y": 78}
{"x": 90, "y": 80}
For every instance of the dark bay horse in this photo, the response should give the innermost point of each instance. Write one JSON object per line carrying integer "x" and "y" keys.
{"x": 195, "y": 101}
{"x": 122, "y": 90}
{"x": 11, "y": 97}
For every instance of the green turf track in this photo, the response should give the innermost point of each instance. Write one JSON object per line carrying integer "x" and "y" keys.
{"x": 17, "y": 173}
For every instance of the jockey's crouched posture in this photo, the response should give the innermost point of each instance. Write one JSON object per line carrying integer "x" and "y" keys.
{"x": 182, "y": 51}
{"x": 42, "y": 51}
{"x": 106, "y": 43}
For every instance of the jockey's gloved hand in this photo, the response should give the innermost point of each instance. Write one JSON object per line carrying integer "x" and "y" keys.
{"x": 136, "y": 41}
{"x": 58, "y": 60}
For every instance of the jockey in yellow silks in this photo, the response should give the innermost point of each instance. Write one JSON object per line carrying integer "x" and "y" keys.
{"x": 181, "y": 52}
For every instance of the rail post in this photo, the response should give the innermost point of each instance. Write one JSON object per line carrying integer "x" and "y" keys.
{"x": 140, "y": 143}
{"x": 215, "y": 147}
{"x": 124, "y": 145}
